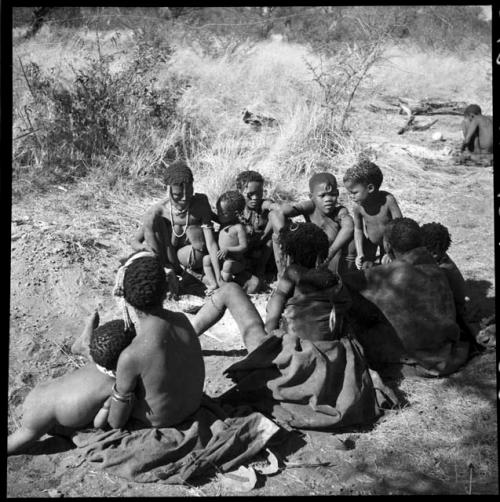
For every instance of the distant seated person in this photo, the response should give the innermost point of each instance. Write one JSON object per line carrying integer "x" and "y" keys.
{"x": 373, "y": 210}
{"x": 232, "y": 240}
{"x": 77, "y": 400}
{"x": 478, "y": 133}
{"x": 179, "y": 229}
{"x": 255, "y": 217}
{"x": 323, "y": 210}
{"x": 404, "y": 311}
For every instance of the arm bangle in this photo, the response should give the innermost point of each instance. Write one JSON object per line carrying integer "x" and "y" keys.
{"x": 124, "y": 398}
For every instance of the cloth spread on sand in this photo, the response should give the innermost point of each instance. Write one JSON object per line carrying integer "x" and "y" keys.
{"x": 405, "y": 315}
{"x": 322, "y": 385}
{"x": 206, "y": 441}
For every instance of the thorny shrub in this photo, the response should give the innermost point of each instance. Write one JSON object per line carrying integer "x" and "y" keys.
{"x": 69, "y": 129}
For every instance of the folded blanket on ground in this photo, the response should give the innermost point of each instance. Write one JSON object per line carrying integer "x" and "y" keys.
{"x": 209, "y": 440}
{"x": 321, "y": 385}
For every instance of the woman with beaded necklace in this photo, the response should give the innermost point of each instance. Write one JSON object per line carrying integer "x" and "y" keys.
{"x": 179, "y": 229}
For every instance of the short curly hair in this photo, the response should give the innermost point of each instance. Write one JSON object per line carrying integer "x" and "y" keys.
{"x": 178, "y": 173}
{"x": 145, "y": 283}
{"x": 246, "y": 177}
{"x": 364, "y": 172}
{"x": 108, "y": 341}
{"x": 304, "y": 242}
{"x": 235, "y": 201}
{"x": 403, "y": 234}
{"x": 436, "y": 238}
{"x": 472, "y": 110}
{"x": 322, "y": 178}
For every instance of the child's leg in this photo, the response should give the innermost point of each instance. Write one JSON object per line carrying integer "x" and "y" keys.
{"x": 209, "y": 273}
{"x": 229, "y": 269}
{"x": 190, "y": 257}
{"x": 264, "y": 255}
{"x": 37, "y": 420}
{"x": 231, "y": 296}
{"x": 277, "y": 220}
{"x": 23, "y": 437}
{"x": 81, "y": 344}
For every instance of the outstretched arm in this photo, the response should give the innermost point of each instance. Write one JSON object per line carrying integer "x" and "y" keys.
{"x": 277, "y": 302}
{"x": 393, "y": 207}
{"x": 358, "y": 236}
{"x": 82, "y": 343}
{"x": 344, "y": 236}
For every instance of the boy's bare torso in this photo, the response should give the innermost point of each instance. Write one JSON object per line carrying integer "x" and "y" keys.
{"x": 228, "y": 237}
{"x": 375, "y": 217}
{"x": 171, "y": 373}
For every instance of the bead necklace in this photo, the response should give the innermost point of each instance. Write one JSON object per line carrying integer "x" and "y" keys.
{"x": 183, "y": 233}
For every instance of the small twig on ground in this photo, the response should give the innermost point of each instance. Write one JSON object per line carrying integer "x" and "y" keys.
{"x": 471, "y": 468}
{"x": 26, "y": 78}
{"x": 32, "y": 128}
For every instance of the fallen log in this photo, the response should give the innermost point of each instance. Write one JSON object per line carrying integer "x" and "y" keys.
{"x": 431, "y": 107}
{"x": 411, "y": 126}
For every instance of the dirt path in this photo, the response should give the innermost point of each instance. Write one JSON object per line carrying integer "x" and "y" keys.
{"x": 61, "y": 271}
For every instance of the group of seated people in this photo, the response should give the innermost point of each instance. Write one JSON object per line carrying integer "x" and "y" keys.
{"x": 357, "y": 300}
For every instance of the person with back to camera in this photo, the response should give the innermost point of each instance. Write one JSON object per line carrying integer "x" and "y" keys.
{"x": 74, "y": 400}
{"x": 477, "y": 130}
{"x": 179, "y": 229}
{"x": 403, "y": 312}
{"x": 160, "y": 375}
{"x": 437, "y": 240}
{"x": 373, "y": 210}
{"x": 323, "y": 209}
{"x": 303, "y": 367}
{"x": 232, "y": 239}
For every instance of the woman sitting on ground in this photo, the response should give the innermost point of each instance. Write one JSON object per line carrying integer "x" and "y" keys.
{"x": 303, "y": 368}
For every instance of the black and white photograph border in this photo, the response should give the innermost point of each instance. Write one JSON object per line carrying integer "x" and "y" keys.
{"x": 123, "y": 127}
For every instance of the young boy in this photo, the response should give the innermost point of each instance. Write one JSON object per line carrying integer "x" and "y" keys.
{"x": 255, "y": 217}
{"x": 232, "y": 239}
{"x": 160, "y": 375}
{"x": 322, "y": 209}
{"x": 75, "y": 399}
{"x": 373, "y": 210}
{"x": 477, "y": 130}
{"x": 179, "y": 229}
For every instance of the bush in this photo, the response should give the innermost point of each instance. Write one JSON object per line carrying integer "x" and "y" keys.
{"x": 74, "y": 127}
